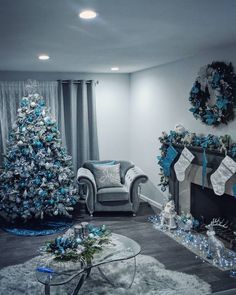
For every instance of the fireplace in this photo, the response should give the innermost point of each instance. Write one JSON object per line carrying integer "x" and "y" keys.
{"x": 181, "y": 191}
{"x": 204, "y": 203}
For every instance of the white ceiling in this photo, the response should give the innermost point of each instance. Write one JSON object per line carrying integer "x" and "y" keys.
{"x": 131, "y": 34}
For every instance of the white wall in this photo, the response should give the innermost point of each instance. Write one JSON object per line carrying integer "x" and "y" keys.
{"x": 159, "y": 100}
{"x": 112, "y": 97}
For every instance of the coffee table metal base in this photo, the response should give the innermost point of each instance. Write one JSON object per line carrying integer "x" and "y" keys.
{"x": 86, "y": 274}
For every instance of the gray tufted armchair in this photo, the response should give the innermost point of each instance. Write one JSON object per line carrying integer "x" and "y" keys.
{"x": 123, "y": 198}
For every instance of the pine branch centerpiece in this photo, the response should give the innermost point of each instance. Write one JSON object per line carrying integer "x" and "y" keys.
{"x": 37, "y": 178}
{"x": 82, "y": 244}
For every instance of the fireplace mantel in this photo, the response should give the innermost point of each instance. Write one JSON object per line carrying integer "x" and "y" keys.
{"x": 214, "y": 159}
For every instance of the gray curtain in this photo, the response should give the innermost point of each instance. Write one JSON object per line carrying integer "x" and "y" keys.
{"x": 77, "y": 120}
{"x": 73, "y": 105}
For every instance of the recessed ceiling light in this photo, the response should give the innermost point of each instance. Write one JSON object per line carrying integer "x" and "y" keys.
{"x": 114, "y": 69}
{"x": 87, "y": 14}
{"x": 43, "y": 57}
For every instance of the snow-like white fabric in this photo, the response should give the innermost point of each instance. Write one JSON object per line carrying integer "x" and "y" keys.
{"x": 151, "y": 279}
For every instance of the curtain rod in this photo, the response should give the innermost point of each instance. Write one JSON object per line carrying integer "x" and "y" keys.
{"x": 78, "y": 81}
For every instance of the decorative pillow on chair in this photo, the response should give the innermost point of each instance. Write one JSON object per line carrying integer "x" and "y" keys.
{"x": 107, "y": 176}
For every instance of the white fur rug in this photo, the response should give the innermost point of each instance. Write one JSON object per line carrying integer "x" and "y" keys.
{"x": 151, "y": 279}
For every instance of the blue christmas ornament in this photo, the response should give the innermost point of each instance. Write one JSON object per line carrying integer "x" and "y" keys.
{"x": 73, "y": 200}
{"x": 41, "y": 102}
{"x": 215, "y": 80}
{"x": 38, "y": 144}
{"x": 22, "y": 184}
{"x": 63, "y": 190}
{"x": 54, "y": 129}
{"x": 30, "y": 119}
{"x": 48, "y": 121}
{"x": 38, "y": 204}
{"x": 38, "y": 111}
{"x": 25, "y": 151}
{"x": 37, "y": 180}
{"x": 49, "y": 175}
{"x": 49, "y": 137}
{"x": 195, "y": 89}
{"x": 221, "y": 103}
{"x": 24, "y": 102}
{"x": 42, "y": 193}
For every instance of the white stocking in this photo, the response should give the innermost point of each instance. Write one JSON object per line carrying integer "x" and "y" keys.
{"x": 182, "y": 164}
{"x": 223, "y": 173}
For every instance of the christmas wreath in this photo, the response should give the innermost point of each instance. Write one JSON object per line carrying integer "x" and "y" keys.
{"x": 215, "y": 82}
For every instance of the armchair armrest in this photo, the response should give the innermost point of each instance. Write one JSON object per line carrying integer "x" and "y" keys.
{"x": 85, "y": 176}
{"x": 133, "y": 178}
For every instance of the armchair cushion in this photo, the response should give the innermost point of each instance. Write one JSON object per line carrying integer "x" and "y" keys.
{"x": 107, "y": 175}
{"x": 112, "y": 194}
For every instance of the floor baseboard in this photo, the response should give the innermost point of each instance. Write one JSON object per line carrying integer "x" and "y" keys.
{"x": 150, "y": 201}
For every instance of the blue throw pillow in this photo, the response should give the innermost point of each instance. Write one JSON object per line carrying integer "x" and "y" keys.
{"x": 103, "y": 164}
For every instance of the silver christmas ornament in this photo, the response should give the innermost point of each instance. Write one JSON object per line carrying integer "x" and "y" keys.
{"x": 33, "y": 104}
{"x": 20, "y": 143}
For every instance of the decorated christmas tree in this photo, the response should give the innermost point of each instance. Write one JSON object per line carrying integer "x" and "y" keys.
{"x": 37, "y": 178}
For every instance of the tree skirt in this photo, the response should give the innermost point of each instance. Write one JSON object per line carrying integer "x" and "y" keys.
{"x": 151, "y": 279}
{"x": 41, "y": 228}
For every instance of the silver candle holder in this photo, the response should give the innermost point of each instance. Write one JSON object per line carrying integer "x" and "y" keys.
{"x": 85, "y": 228}
{"x": 78, "y": 231}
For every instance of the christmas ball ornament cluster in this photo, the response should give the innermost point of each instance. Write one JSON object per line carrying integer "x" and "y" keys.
{"x": 37, "y": 178}
{"x": 214, "y": 81}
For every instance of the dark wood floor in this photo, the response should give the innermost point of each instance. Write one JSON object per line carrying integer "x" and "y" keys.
{"x": 15, "y": 249}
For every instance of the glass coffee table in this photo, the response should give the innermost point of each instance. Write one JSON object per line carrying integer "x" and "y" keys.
{"x": 120, "y": 249}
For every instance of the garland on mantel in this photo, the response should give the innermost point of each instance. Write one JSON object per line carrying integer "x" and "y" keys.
{"x": 222, "y": 144}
